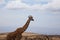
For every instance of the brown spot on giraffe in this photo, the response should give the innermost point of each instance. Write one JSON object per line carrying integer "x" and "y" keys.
{"x": 18, "y": 32}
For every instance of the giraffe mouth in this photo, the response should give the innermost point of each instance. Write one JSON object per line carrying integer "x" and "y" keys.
{"x": 32, "y": 19}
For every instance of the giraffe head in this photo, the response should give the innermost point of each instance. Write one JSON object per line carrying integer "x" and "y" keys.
{"x": 31, "y": 18}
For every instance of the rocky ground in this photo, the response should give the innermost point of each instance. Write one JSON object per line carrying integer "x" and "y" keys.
{"x": 33, "y": 36}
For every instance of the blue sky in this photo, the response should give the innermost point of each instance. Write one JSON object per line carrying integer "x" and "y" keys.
{"x": 46, "y": 13}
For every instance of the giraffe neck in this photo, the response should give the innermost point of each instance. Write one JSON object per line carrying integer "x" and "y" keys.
{"x": 21, "y": 30}
{"x": 26, "y": 25}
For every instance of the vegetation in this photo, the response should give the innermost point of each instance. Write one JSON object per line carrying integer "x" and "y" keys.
{"x": 33, "y": 36}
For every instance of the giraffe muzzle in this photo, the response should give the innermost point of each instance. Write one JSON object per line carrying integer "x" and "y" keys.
{"x": 32, "y": 19}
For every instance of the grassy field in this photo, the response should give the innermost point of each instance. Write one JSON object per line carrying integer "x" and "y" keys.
{"x": 33, "y": 36}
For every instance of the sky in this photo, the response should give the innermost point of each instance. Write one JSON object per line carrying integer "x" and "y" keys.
{"x": 46, "y": 14}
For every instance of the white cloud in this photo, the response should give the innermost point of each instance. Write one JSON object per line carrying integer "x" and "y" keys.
{"x": 55, "y": 4}
{"x": 42, "y": 0}
{"x": 16, "y": 4}
{"x": 2, "y": 1}
{"x": 19, "y": 4}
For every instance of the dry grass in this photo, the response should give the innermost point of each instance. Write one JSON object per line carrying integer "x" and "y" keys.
{"x": 33, "y": 36}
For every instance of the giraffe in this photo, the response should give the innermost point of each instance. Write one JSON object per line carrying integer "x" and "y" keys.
{"x": 18, "y": 32}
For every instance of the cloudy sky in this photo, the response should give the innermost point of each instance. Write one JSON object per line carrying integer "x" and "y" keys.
{"x": 46, "y": 14}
